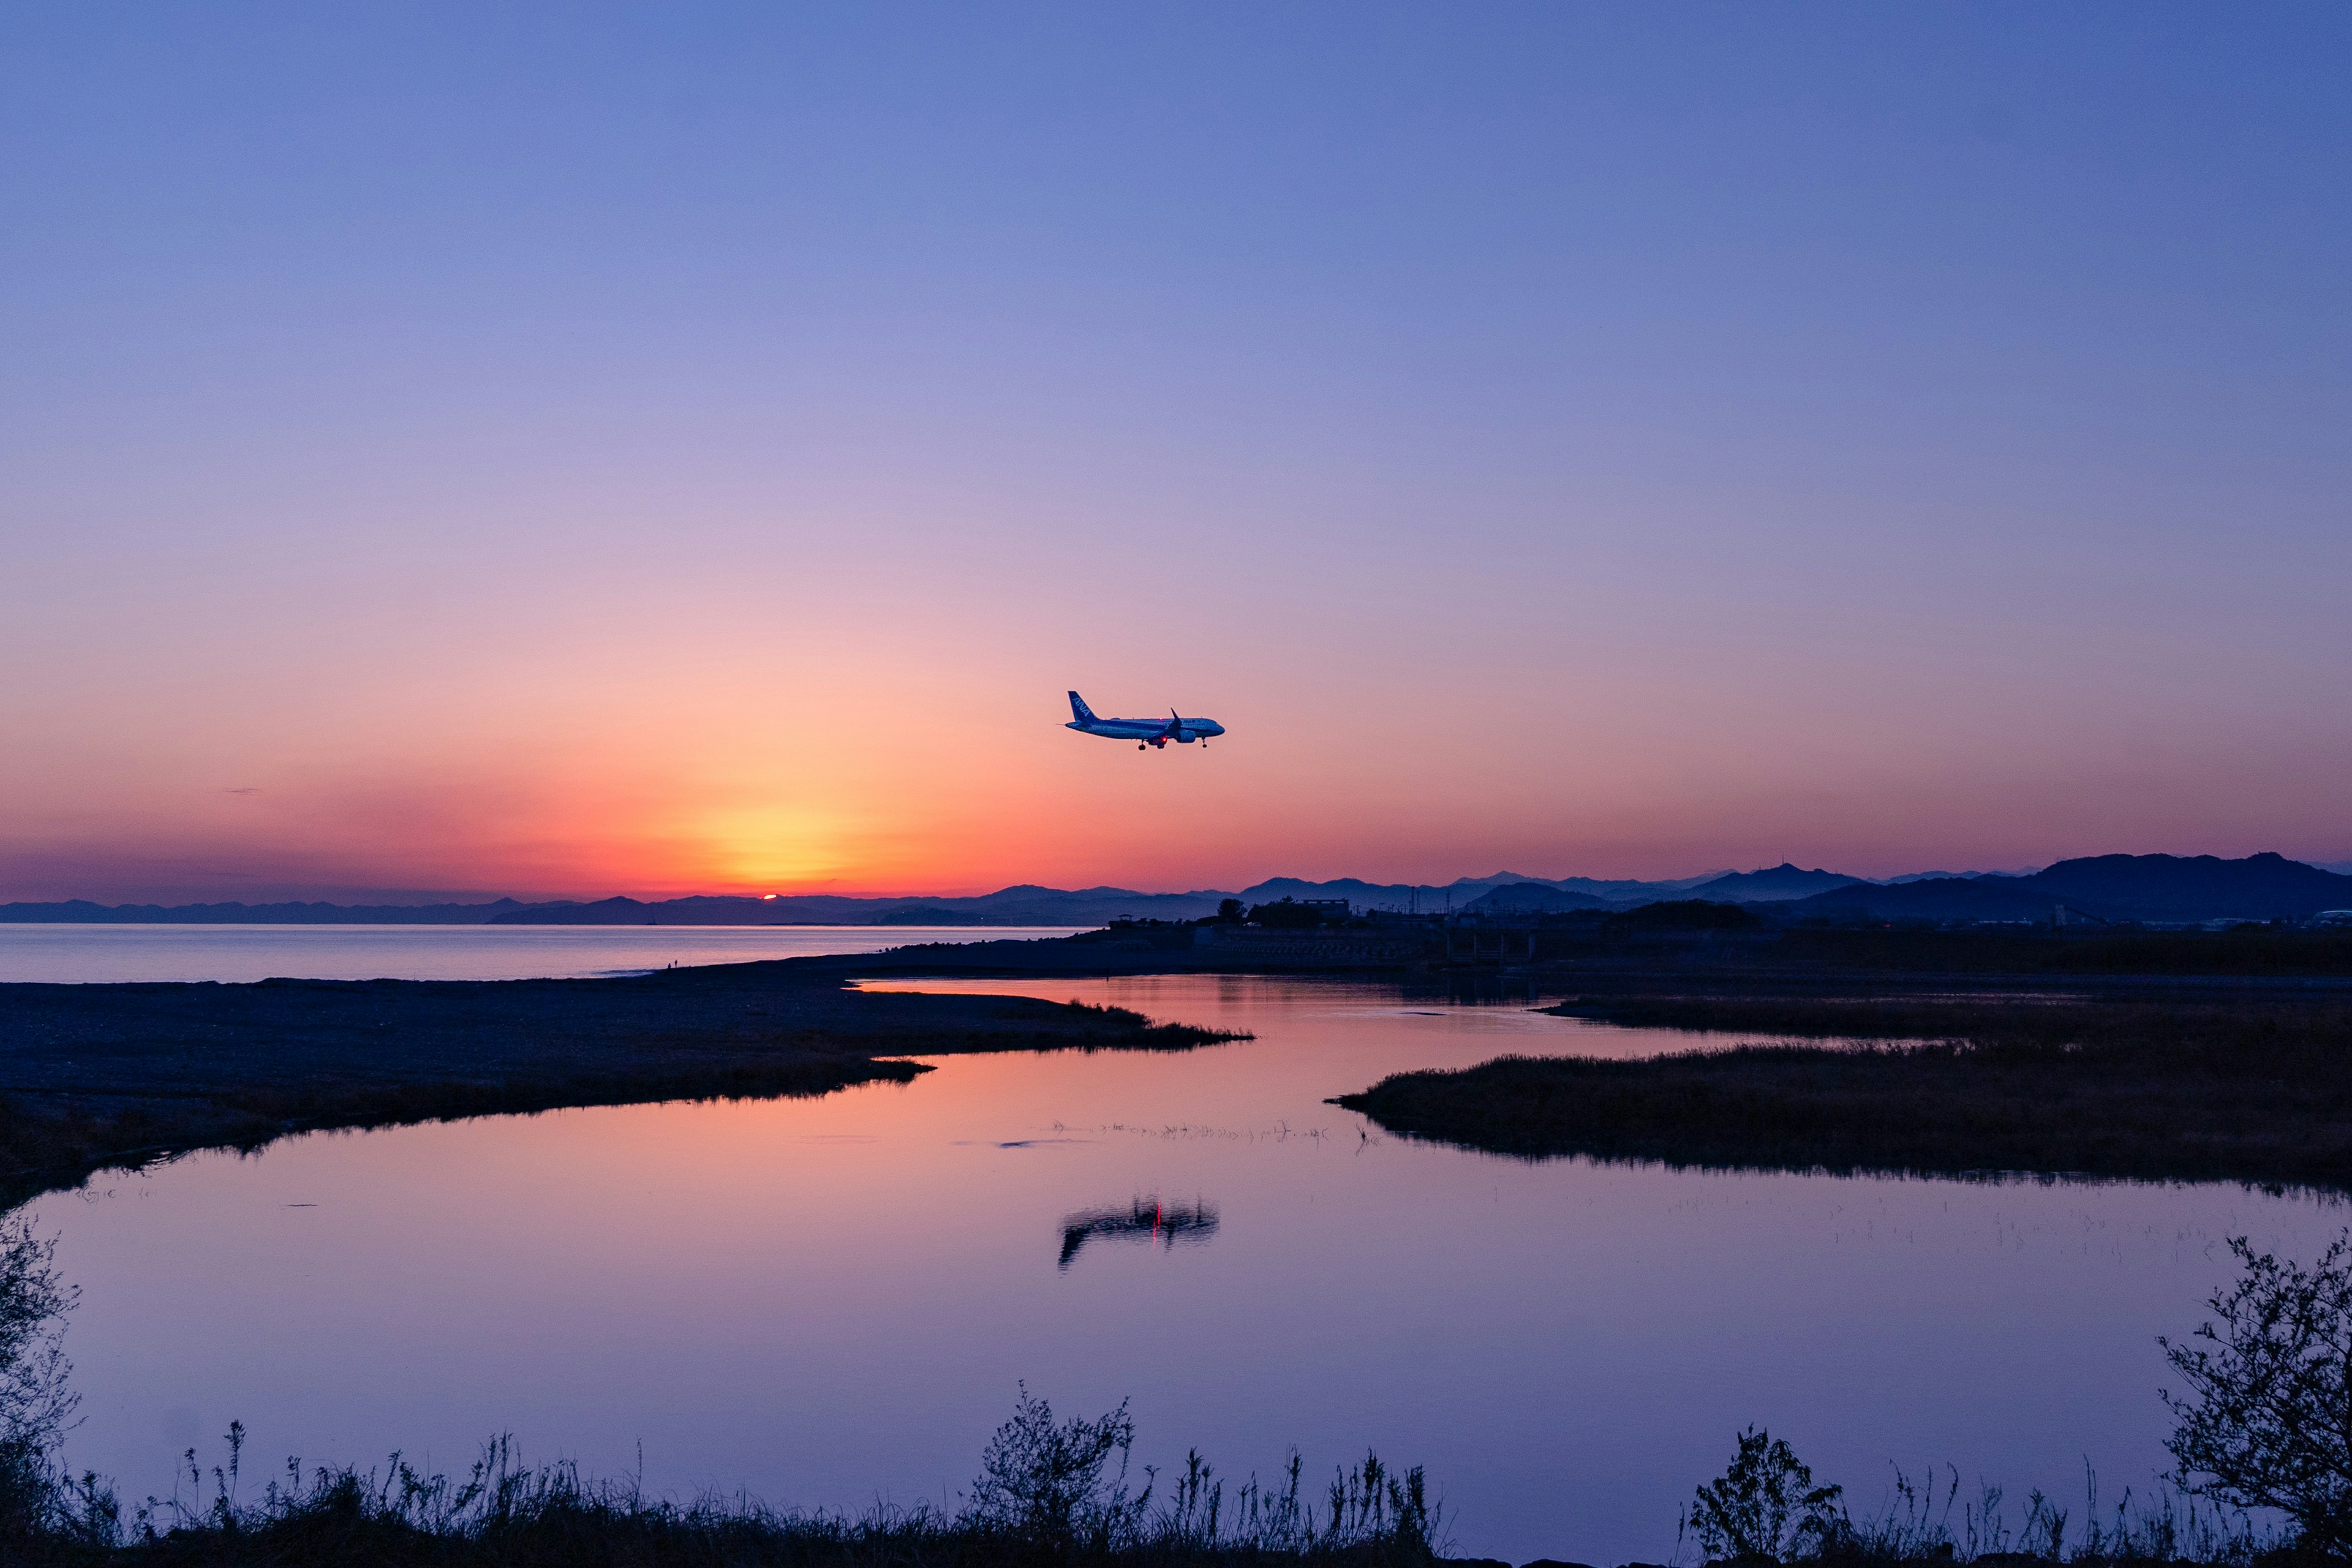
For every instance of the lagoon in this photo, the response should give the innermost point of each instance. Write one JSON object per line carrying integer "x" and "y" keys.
{"x": 831, "y": 1301}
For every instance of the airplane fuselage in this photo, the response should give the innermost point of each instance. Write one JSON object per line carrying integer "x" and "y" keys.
{"x": 1155, "y": 733}
{"x": 1152, "y": 732}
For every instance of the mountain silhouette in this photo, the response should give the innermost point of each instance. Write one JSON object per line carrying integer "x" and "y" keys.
{"x": 1534, "y": 899}
{"x": 1785, "y": 880}
{"x": 2113, "y": 887}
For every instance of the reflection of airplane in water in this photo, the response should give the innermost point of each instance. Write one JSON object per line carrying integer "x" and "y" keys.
{"x": 1142, "y": 732}
{"x": 1145, "y": 1220}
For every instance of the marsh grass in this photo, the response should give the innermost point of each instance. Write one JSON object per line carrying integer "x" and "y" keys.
{"x": 2177, "y": 1033}
{"x": 1767, "y": 1508}
{"x": 1925, "y": 1519}
{"x": 1051, "y": 1494}
{"x": 2252, "y": 1090}
{"x": 1137, "y": 1032}
{"x": 2247, "y": 951}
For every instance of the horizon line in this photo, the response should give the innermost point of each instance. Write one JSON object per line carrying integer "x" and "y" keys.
{"x": 414, "y": 898}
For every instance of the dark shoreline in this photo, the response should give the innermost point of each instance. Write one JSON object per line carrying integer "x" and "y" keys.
{"x": 94, "y": 1076}
{"x": 2256, "y": 1089}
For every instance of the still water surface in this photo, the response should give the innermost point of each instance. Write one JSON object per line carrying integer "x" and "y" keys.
{"x": 832, "y": 1300}
{"x": 77, "y": 954}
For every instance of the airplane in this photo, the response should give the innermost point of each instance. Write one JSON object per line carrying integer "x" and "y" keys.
{"x": 1155, "y": 733}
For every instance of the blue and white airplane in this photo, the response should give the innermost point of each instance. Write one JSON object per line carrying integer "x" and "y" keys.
{"x": 1143, "y": 731}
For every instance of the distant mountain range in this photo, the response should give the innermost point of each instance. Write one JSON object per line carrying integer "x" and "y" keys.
{"x": 1782, "y": 882}
{"x": 1535, "y": 899}
{"x": 2111, "y": 887}
{"x": 1464, "y": 891}
{"x": 1022, "y": 905}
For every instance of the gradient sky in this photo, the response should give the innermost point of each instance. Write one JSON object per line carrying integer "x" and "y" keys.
{"x": 589, "y": 449}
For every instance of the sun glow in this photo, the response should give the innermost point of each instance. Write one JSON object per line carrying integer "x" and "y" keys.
{"x": 767, "y": 847}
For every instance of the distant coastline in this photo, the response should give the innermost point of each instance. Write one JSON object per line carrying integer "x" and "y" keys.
{"x": 2101, "y": 889}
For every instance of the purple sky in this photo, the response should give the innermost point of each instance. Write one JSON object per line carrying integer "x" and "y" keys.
{"x": 636, "y": 450}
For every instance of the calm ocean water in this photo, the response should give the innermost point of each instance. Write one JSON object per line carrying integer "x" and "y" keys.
{"x": 80, "y": 953}
{"x": 828, "y": 1300}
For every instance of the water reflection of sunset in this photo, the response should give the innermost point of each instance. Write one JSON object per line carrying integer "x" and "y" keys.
{"x": 819, "y": 1298}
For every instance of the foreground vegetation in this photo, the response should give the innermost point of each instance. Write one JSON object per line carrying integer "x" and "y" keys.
{"x": 2256, "y": 1090}
{"x": 2260, "y": 1426}
{"x": 1048, "y": 1493}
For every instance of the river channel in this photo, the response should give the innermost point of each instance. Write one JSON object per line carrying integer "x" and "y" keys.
{"x": 831, "y": 1302}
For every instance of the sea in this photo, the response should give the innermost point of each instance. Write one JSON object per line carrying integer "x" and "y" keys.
{"x": 85, "y": 954}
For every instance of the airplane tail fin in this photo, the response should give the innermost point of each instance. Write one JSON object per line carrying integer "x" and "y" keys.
{"x": 1079, "y": 711}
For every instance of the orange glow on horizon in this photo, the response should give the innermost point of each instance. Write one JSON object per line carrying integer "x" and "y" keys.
{"x": 926, "y": 773}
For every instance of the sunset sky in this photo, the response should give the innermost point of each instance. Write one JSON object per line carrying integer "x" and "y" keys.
{"x": 595, "y": 449}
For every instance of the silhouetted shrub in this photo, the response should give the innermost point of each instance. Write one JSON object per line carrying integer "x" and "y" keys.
{"x": 1765, "y": 1506}
{"x": 38, "y": 1502}
{"x": 2267, "y": 1421}
{"x": 1052, "y": 1485}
